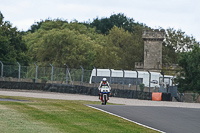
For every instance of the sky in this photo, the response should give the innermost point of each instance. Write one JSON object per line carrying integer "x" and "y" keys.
{"x": 177, "y": 14}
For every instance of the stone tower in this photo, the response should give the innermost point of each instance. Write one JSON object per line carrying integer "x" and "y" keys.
{"x": 153, "y": 49}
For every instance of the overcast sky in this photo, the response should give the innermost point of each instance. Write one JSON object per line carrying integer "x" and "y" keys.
{"x": 177, "y": 14}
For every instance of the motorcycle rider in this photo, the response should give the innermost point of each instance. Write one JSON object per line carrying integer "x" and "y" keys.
{"x": 104, "y": 82}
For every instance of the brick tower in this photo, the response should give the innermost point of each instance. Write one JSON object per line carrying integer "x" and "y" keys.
{"x": 153, "y": 49}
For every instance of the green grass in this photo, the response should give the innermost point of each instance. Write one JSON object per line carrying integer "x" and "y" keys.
{"x": 60, "y": 116}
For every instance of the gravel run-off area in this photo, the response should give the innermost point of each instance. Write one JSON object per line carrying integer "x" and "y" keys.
{"x": 67, "y": 96}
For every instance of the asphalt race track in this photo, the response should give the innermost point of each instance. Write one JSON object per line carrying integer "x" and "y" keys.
{"x": 166, "y": 119}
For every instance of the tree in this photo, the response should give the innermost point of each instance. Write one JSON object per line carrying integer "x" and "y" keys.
{"x": 188, "y": 78}
{"x": 62, "y": 44}
{"x": 47, "y": 24}
{"x": 120, "y": 20}
{"x": 122, "y": 50}
{"x": 176, "y": 42}
{"x": 114, "y": 42}
{"x": 12, "y": 48}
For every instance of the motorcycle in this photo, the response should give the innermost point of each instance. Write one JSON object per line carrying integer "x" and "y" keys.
{"x": 104, "y": 94}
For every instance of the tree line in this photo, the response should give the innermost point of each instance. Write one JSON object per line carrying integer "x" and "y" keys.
{"x": 114, "y": 42}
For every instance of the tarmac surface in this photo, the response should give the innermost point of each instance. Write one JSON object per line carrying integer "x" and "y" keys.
{"x": 67, "y": 96}
{"x": 162, "y": 119}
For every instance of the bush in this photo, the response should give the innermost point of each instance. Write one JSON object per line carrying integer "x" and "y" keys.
{"x": 44, "y": 79}
{"x": 141, "y": 87}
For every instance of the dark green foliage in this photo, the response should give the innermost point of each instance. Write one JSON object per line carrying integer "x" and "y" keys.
{"x": 12, "y": 48}
{"x": 175, "y": 43}
{"x": 59, "y": 42}
{"x": 35, "y": 26}
{"x": 49, "y": 25}
{"x": 62, "y": 43}
{"x": 141, "y": 87}
{"x": 189, "y": 76}
{"x": 120, "y": 20}
{"x": 44, "y": 79}
{"x": 122, "y": 50}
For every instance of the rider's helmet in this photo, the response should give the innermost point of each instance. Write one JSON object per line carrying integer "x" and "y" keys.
{"x": 104, "y": 80}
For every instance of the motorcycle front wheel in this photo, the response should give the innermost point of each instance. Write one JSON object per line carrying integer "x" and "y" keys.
{"x": 105, "y": 99}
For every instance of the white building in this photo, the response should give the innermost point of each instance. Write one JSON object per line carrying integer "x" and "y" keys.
{"x": 129, "y": 76}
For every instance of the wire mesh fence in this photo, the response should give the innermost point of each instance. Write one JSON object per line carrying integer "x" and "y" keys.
{"x": 58, "y": 75}
{"x": 118, "y": 79}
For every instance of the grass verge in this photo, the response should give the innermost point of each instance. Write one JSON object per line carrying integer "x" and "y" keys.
{"x": 60, "y": 116}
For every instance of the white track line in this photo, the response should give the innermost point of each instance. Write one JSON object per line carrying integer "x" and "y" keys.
{"x": 126, "y": 119}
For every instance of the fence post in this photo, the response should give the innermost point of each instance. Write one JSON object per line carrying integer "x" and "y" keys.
{"x": 162, "y": 75}
{"x": 19, "y": 71}
{"x": 82, "y": 75}
{"x": 136, "y": 82}
{"x": 66, "y": 67}
{"x": 95, "y": 77}
{"x": 123, "y": 79}
{"x": 110, "y": 75}
{"x": 149, "y": 80}
{"x": 70, "y": 76}
{"x": 1, "y": 70}
{"x": 36, "y": 71}
{"x": 51, "y": 73}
